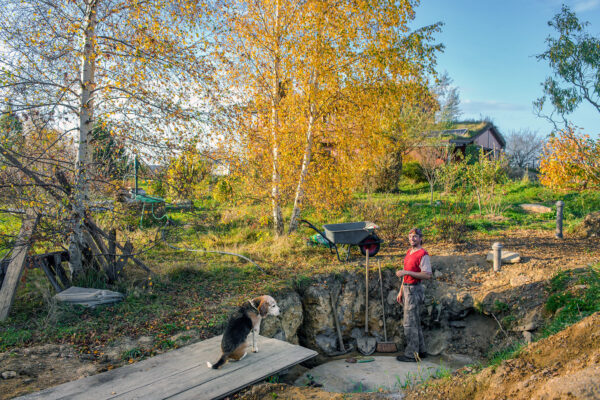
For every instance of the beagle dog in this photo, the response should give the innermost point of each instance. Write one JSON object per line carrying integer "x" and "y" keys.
{"x": 245, "y": 320}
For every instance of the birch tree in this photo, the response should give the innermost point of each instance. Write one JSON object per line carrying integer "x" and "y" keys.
{"x": 257, "y": 49}
{"x": 136, "y": 65}
{"x": 302, "y": 69}
{"x": 352, "y": 53}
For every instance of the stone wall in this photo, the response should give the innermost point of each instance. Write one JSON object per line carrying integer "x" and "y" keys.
{"x": 306, "y": 313}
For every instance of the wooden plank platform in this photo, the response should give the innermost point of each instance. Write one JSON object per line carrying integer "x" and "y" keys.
{"x": 182, "y": 374}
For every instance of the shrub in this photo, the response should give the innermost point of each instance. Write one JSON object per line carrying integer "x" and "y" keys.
{"x": 571, "y": 161}
{"x": 393, "y": 220}
{"x": 158, "y": 188}
{"x": 222, "y": 191}
{"x": 412, "y": 170}
{"x": 451, "y": 223}
{"x": 187, "y": 174}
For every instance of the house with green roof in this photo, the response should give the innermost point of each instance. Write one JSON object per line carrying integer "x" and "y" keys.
{"x": 481, "y": 134}
{"x": 473, "y": 135}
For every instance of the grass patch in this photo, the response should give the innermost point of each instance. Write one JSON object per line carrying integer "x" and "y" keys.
{"x": 573, "y": 295}
{"x": 511, "y": 351}
{"x": 197, "y": 290}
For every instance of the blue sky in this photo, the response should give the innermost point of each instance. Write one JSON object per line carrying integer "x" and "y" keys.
{"x": 490, "y": 55}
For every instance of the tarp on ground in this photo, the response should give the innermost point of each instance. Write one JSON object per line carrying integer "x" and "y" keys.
{"x": 88, "y": 297}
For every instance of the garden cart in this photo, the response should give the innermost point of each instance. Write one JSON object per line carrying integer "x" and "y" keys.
{"x": 361, "y": 234}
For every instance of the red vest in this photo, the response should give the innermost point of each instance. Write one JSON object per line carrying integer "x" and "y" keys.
{"x": 412, "y": 263}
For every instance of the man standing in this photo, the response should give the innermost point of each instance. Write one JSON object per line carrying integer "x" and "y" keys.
{"x": 417, "y": 266}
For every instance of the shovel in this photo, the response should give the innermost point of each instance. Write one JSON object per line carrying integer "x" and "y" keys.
{"x": 366, "y": 344}
{"x": 343, "y": 350}
{"x": 385, "y": 346}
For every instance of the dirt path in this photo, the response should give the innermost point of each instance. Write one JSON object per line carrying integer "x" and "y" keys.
{"x": 521, "y": 286}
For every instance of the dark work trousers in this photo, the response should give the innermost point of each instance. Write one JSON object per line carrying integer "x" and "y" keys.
{"x": 414, "y": 296}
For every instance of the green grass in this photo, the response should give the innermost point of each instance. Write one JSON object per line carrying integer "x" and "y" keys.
{"x": 573, "y": 295}
{"x": 196, "y": 290}
{"x": 511, "y": 351}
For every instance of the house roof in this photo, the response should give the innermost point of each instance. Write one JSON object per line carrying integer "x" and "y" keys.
{"x": 466, "y": 132}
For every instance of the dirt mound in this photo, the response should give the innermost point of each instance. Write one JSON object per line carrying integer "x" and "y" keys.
{"x": 562, "y": 366}
{"x": 270, "y": 391}
{"x": 591, "y": 224}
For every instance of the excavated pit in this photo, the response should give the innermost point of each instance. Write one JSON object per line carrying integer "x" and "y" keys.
{"x": 458, "y": 331}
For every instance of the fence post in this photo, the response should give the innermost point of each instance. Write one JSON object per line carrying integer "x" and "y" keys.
{"x": 559, "y": 219}
{"x": 497, "y": 254}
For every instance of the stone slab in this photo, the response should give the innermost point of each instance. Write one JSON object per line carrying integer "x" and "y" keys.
{"x": 536, "y": 208}
{"x": 384, "y": 373}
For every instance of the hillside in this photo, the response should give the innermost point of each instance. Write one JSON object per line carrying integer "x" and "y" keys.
{"x": 563, "y": 366}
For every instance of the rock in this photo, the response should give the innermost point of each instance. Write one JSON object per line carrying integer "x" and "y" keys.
{"x": 285, "y": 325}
{"x": 391, "y": 297}
{"x": 455, "y": 305}
{"x": 591, "y": 224}
{"x": 327, "y": 342}
{"x": 349, "y": 288}
{"x": 536, "y": 208}
{"x": 508, "y": 257}
{"x": 9, "y": 374}
{"x": 532, "y": 320}
{"x": 318, "y": 322}
{"x": 528, "y": 336}
{"x": 437, "y": 341}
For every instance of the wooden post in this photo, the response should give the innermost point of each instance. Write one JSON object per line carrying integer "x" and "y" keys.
{"x": 17, "y": 263}
{"x": 137, "y": 262}
{"x": 60, "y": 272}
{"x": 96, "y": 252}
{"x": 112, "y": 252}
{"x": 559, "y": 219}
{"x": 45, "y": 266}
{"x": 497, "y": 249}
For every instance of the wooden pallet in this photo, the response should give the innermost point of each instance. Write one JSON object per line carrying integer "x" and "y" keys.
{"x": 182, "y": 374}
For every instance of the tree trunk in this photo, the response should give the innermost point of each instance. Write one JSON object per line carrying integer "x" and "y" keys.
{"x": 305, "y": 164}
{"x": 76, "y": 239}
{"x": 431, "y": 192}
{"x": 275, "y": 100}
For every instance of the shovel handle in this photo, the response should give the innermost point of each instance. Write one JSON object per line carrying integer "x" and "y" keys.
{"x": 382, "y": 303}
{"x": 367, "y": 294}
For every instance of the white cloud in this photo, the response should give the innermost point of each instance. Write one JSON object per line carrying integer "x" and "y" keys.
{"x": 585, "y": 5}
{"x": 484, "y": 106}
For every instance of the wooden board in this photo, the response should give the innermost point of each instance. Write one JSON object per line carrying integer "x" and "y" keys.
{"x": 8, "y": 286}
{"x": 183, "y": 374}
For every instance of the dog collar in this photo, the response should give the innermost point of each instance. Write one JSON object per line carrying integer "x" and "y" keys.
{"x": 253, "y": 306}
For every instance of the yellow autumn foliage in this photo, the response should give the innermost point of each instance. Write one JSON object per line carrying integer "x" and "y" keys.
{"x": 571, "y": 161}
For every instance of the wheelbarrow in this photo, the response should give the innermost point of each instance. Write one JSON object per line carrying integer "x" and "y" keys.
{"x": 361, "y": 234}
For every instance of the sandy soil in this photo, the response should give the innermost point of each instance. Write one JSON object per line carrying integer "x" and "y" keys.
{"x": 563, "y": 366}
{"x": 541, "y": 372}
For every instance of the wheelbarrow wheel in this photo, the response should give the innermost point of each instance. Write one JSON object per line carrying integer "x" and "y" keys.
{"x": 370, "y": 244}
